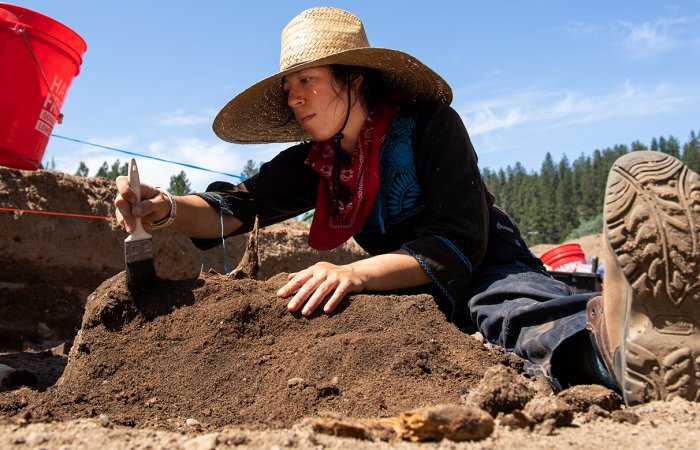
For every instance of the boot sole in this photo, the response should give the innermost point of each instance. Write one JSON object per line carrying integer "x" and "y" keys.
{"x": 652, "y": 228}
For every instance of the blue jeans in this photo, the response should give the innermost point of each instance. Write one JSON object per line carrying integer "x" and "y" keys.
{"x": 521, "y": 308}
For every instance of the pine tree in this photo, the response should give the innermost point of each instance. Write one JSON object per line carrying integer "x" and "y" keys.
{"x": 179, "y": 184}
{"x": 546, "y": 213}
{"x": 654, "y": 147}
{"x": 112, "y": 172}
{"x": 691, "y": 153}
{"x": 565, "y": 209}
{"x": 250, "y": 169}
{"x": 82, "y": 170}
{"x": 637, "y": 146}
{"x": 103, "y": 171}
{"x": 662, "y": 144}
{"x": 673, "y": 147}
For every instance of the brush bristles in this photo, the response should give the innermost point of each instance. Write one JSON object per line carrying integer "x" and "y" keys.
{"x": 140, "y": 270}
{"x": 140, "y": 275}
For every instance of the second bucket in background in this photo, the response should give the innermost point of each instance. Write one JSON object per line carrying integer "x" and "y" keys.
{"x": 564, "y": 258}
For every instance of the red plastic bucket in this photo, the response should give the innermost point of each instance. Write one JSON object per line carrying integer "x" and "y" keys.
{"x": 564, "y": 258}
{"x": 36, "y": 53}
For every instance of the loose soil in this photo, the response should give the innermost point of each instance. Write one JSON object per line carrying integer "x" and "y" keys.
{"x": 203, "y": 360}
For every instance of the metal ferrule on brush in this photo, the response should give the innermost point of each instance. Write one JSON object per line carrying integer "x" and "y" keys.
{"x": 137, "y": 250}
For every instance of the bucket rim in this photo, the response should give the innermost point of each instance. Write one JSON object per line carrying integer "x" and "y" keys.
{"x": 562, "y": 250}
{"x": 32, "y": 20}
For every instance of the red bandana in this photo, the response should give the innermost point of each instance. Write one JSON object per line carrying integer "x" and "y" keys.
{"x": 358, "y": 179}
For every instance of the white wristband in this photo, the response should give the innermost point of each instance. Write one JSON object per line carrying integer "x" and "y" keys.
{"x": 167, "y": 220}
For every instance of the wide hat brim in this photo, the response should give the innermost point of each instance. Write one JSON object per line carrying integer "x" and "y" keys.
{"x": 260, "y": 114}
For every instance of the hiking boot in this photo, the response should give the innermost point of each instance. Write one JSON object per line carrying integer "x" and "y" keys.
{"x": 600, "y": 338}
{"x": 651, "y": 286}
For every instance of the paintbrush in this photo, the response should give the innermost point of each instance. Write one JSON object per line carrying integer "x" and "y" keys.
{"x": 138, "y": 248}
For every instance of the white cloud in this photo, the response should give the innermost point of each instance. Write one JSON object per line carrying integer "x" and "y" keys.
{"x": 179, "y": 118}
{"x": 647, "y": 39}
{"x": 546, "y": 110}
{"x": 215, "y": 159}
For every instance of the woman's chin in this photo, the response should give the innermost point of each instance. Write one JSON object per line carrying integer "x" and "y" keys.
{"x": 319, "y": 137}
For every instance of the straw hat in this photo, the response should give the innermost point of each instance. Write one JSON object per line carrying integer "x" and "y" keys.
{"x": 320, "y": 36}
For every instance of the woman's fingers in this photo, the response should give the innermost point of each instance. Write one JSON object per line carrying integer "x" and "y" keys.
{"x": 337, "y": 297}
{"x": 127, "y": 205}
{"x": 296, "y": 280}
{"x": 303, "y": 294}
{"x": 320, "y": 282}
{"x": 297, "y": 283}
{"x": 319, "y": 294}
{"x": 124, "y": 214}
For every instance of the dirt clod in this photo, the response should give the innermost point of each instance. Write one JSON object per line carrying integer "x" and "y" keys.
{"x": 502, "y": 390}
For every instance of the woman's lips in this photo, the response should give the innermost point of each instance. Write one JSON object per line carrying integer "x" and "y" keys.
{"x": 306, "y": 118}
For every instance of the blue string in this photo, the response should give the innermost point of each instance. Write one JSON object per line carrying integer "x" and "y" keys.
{"x": 147, "y": 156}
{"x": 204, "y": 257}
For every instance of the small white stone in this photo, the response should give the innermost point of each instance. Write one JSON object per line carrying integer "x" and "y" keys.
{"x": 35, "y": 438}
{"x": 295, "y": 382}
{"x": 192, "y": 422}
{"x": 104, "y": 420}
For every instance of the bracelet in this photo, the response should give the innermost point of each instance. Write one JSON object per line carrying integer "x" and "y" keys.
{"x": 167, "y": 220}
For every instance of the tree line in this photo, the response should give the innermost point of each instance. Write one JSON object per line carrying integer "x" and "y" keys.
{"x": 564, "y": 200}
{"x": 179, "y": 183}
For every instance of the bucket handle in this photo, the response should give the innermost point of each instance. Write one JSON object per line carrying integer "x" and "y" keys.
{"x": 21, "y": 31}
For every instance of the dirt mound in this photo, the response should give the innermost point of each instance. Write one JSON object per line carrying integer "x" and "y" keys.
{"x": 226, "y": 351}
{"x": 51, "y": 262}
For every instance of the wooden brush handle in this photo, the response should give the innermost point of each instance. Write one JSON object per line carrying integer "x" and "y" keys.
{"x": 134, "y": 179}
{"x": 135, "y": 183}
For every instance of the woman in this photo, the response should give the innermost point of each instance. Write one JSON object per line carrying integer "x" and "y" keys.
{"x": 388, "y": 162}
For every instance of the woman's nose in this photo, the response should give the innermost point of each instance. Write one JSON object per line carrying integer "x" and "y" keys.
{"x": 294, "y": 98}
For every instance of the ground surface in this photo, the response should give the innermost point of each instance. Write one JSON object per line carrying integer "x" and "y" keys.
{"x": 206, "y": 361}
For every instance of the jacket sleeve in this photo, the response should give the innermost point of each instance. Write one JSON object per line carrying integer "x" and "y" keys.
{"x": 452, "y": 240}
{"x": 283, "y": 188}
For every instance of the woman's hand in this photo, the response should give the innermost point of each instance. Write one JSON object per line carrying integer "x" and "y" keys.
{"x": 318, "y": 282}
{"x": 151, "y": 208}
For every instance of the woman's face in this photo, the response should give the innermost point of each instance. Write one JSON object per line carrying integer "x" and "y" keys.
{"x": 316, "y": 100}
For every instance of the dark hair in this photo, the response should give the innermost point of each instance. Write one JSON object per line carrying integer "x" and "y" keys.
{"x": 373, "y": 87}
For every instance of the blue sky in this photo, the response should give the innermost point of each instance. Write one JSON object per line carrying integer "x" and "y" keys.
{"x": 529, "y": 77}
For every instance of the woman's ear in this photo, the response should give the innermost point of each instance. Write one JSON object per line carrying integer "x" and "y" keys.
{"x": 356, "y": 80}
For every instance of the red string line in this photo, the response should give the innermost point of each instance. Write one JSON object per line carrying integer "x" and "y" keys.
{"x": 87, "y": 216}
{"x": 51, "y": 213}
